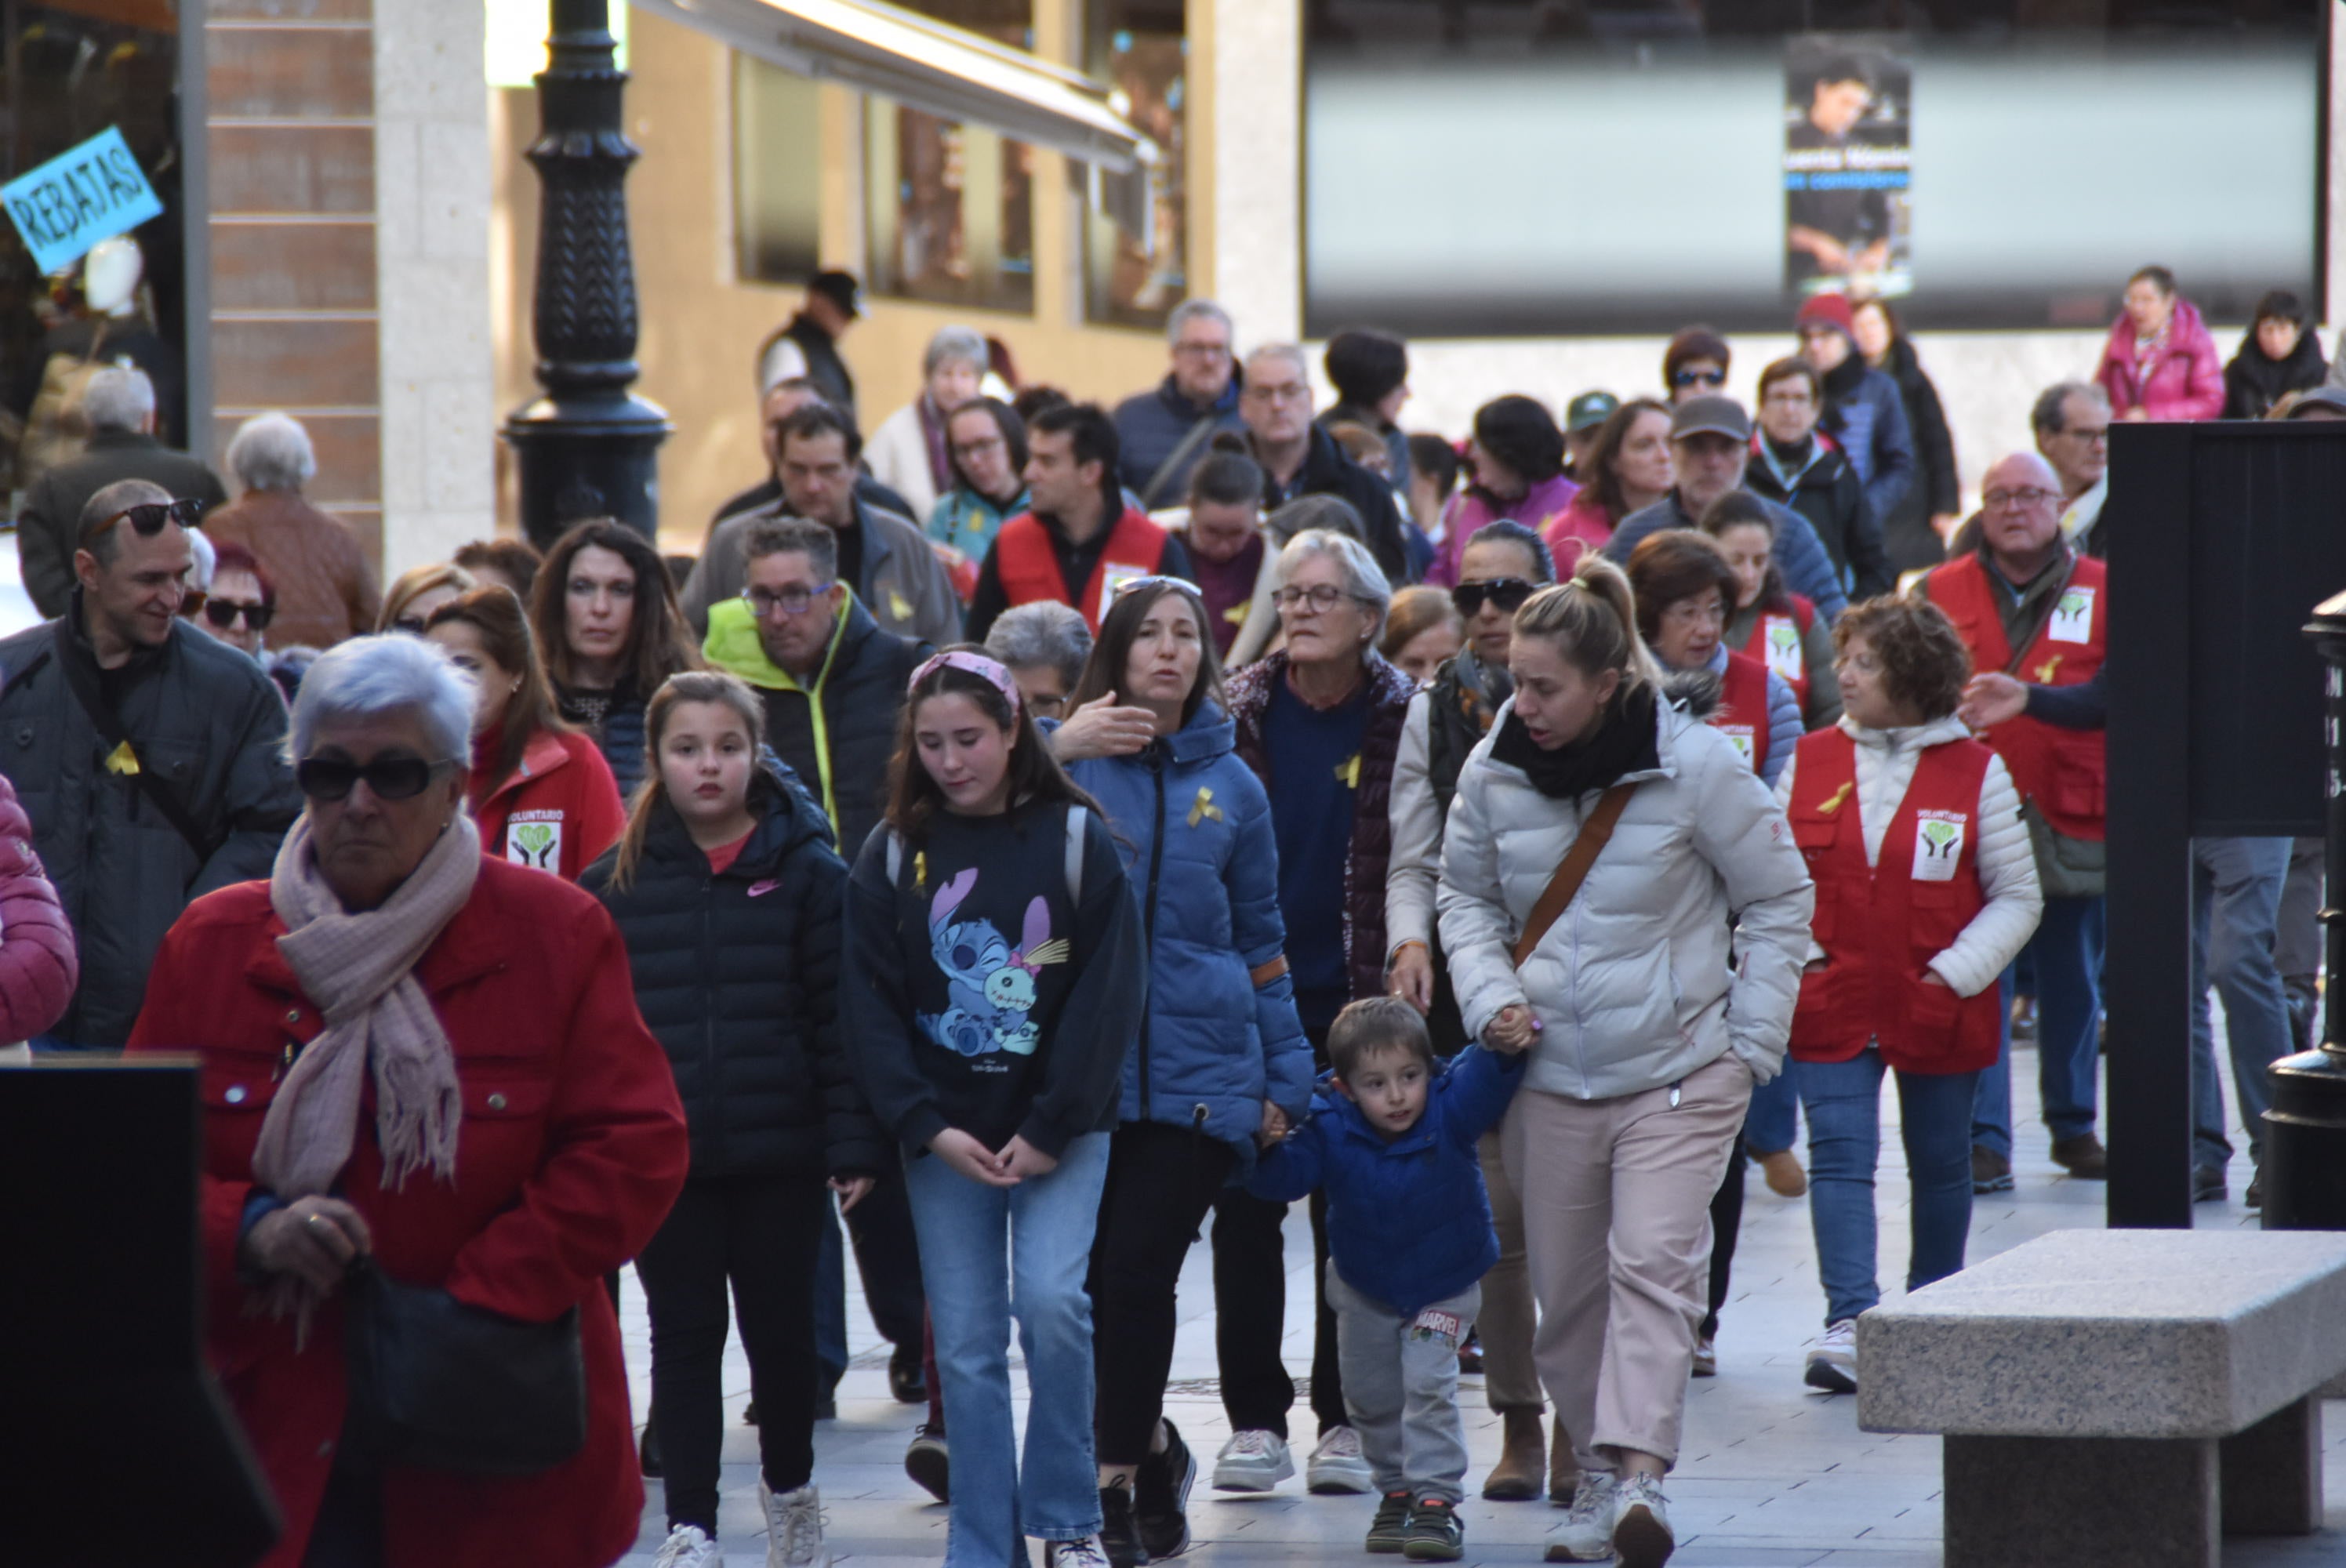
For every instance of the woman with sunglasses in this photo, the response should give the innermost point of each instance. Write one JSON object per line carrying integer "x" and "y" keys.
{"x": 432, "y": 1062}
{"x": 1695, "y": 364}
{"x": 1505, "y": 565}
{"x": 1629, "y": 468}
{"x": 241, "y": 601}
{"x": 1222, "y": 1061}
{"x": 540, "y": 790}
{"x": 1514, "y": 460}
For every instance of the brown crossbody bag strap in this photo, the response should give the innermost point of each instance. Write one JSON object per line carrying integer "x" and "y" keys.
{"x": 1573, "y": 870}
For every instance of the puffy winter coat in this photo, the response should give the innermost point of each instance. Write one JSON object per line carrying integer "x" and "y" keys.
{"x": 2007, "y": 868}
{"x": 1808, "y": 569}
{"x": 1634, "y": 984}
{"x": 204, "y": 720}
{"x": 572, "y": 1149}
{"x": 1194, "y": 825}
{"x": 1473, "y": 508}
{"x": 1409, "y": 1221}
{"x": 2185, "y": 381}
{"x": 38, "y": 966}
{"x": 738, "y": 975}
{"x": 1869, "y": 420}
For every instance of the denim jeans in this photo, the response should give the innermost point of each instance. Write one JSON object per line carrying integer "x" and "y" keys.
{"x": 1774, "y": 1123}
{"x": 987, "y": 1254}
{"x": 1844, "y": 1104}
{"x": 2066, "y": 952}
{"x": 2235, "y": 885}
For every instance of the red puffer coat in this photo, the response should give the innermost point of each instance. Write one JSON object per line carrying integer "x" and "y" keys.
{"x": 572, "y": 1147}
{"x": 38, "y": 965}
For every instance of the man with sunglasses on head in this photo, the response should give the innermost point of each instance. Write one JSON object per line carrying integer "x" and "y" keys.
{"x": 148, "y": 755}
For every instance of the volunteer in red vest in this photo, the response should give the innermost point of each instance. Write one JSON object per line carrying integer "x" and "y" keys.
{"x": 1080, "y": 539}
{"x": 1684, "y": 587}
{"x": 2026, "y": 603}
{"x": 1771, "y": 623}
{"x": 540, "y": 791}
{"x": 1926, "y": 890}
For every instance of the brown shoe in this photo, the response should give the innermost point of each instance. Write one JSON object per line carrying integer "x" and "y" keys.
{"x": 1523, "y": 1462}
{"x": 1562, "y": 1469}
{"x": 1990, "y": 1172}
{"x": 2082, "y": 1157}
{"x": 1785, "y": 1176}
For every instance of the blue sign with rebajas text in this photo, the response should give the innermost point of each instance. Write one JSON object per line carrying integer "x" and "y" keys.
{"x": 77, "y": 198}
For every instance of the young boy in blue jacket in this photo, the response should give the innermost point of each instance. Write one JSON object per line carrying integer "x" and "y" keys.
{"x": 1409, "y": 1240}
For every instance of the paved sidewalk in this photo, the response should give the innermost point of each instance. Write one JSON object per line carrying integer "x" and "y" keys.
{"x": 1773, "y": 1475}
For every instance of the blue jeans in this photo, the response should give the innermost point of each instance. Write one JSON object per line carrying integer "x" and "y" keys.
{"x": 1844, "y": 1105}
{"x": 985, "y": 1254}
{"x": 2066, "y": 952}
{"x": 1773, "y": 1122}
{"x": 2234, "y": 910}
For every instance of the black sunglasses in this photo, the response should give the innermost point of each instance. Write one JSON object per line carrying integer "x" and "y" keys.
{"x": 1683, "y": 379}
{"x": 1507, "y": 593}
{"x": 147, "y": 518}
{"x": 390, "y": 778}
{"x": 223, "y": 612}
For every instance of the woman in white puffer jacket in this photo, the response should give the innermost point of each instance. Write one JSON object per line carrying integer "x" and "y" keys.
{"x": 1653, "y": 1002}
{"x": 1926, "y": 889}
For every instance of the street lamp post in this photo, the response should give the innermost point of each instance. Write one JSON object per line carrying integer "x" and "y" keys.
{"x": 588, "y": 447}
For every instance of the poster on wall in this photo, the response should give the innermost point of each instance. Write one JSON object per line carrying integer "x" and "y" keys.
{"x": 1849, "y": 163}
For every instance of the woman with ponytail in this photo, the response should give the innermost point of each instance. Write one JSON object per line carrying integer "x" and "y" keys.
{"x": 1619, "y": 892}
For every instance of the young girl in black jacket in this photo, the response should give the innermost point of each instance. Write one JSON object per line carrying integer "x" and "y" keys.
{"x": 993, "y": 978}
{"x": 728, "y": 892}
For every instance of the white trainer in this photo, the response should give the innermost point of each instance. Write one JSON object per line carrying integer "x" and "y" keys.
{"x": 1588, "y": 1533}
{"x": 1337, "y": 1465}
{"x": 1252, "y": 1460}
{"x": 1086, "y": 1554}
{"x": 689, "y": 1546}
{"x": 1641, "y": 1524}
{"x": 1833, "y": 1360}
{"x": 793, "y": 1527}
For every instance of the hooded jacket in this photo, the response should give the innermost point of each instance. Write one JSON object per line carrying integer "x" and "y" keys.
{"x": 1808, "y": 569}
{"x": 1821, "y": 484}
{"x": 1864, "y": 413}
{"x": 1473, "y": 508}
{"x": 1194, "y": 825}
{"x": 2254, "y": 381}
{"x": 736, "y": 975}
{"x": 1636, "y": 984}
{"x": 2185, "y": 381}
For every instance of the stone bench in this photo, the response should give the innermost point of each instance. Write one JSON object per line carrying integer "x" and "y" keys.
{"x": 2118, "y": 1397}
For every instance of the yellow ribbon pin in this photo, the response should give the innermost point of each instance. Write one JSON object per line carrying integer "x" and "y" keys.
{"x": 1834, "y": 804}
{"x": 899, "y": 606}
{"x": 2045, "y": 671}
{"x": 122, "y": 760}
{"x": 1348, "y": 771}
{"x": 919, "y": 868}
{"x": 1204, "y": 808}
{"x": 1237, "y": 614}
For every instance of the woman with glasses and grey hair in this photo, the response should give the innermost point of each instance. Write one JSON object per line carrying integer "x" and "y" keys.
{"x": 524, "y": 1139}
{"x": 1319, "y": 722}
{"x": 910, "y": 452}
{"x": 1044, "y": 644}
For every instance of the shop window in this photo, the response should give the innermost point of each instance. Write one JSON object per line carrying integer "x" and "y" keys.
{"x": 1135, "y": 230}
{"x": 777, "y": 174}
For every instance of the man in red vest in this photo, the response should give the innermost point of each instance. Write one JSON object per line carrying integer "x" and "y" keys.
{"x": 2029, "y": 605}
{"x": 1080, "y": 541}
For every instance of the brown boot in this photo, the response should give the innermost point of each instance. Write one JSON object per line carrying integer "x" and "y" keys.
{"x": 1516, "y": 1477}
{"x": 1562, "y": 1469}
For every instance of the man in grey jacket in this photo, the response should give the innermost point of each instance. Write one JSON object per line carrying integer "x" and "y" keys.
{"x": 148, "y": 755}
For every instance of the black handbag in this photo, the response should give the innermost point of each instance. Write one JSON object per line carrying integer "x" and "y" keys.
{"x": 436, "y": 1383}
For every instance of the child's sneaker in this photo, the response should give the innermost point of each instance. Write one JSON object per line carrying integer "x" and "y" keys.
{"x": 1387, "y": 1530}
{"x": 1641, "y": 1524}
{"x": 1435, "y": 1534}
{"x": 1588, "y": 1533}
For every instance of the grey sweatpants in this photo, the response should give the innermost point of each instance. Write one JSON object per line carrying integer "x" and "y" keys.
{"x": 1401, "y": 1388}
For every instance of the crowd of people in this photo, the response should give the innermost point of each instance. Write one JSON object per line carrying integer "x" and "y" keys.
{"x": 1053, "y": 831}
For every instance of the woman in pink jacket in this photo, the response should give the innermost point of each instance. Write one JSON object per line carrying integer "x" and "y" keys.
{"x": 2161, "y": 362}
{"x": 38, "y": 967}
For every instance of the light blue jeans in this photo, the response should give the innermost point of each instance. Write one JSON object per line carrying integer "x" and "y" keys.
{"x": 988, "y": 1253}
{"x": 2067, "y": 952}
{"x": 2235, "y": 911}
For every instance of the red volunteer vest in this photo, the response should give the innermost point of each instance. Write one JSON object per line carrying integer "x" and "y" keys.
{"x": 1742, "y": 715}
{"x": 1775, "y": 642}
{"x": 1028, "y": 567}
{"x": 2064, "y": 771}
{"x": 1880, "y": 926}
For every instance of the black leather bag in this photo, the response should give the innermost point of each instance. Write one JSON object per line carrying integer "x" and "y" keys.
{"x": 436, "y": 1383}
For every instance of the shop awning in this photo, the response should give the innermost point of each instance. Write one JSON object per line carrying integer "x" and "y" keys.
{"x": 925, "y": 65}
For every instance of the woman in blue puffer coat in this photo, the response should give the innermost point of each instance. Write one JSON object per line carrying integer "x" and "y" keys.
{"x": 1221, "y": 1060}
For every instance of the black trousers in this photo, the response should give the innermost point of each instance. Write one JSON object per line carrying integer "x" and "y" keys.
{"x": 1726, "y": 1222}
{"x": 1161, "y": 1181}
{"x": 1250, "y": 1315}
{"x": 759, "y": 1233}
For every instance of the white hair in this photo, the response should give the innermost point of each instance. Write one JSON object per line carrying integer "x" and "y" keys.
{"x": 204, "y": 564}
{"x": 1044, "y": 634}
{"x": 118, "y": 397}
{"x": 272, "y": 452}
{"x": 956, "y": 345}
{"x": 1290, "y": 352}
{"x": 1190, "y": 311}
{"x": 366, "y": 677}
{"x": 1363, "y": 578}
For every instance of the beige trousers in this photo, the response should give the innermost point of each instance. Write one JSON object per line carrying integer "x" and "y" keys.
{"x": 1615, "y": 1198}
{"x": 1510, "y": 1377}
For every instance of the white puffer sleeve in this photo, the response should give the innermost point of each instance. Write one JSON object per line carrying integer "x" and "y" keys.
{"x": 2007, "y": 873}
{"x": 1415, "y": 864}
{"x": 1477, "y": 931}
{"x": 1740, "y": 830}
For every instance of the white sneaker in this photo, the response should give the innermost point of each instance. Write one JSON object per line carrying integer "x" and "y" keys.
{"x": 1588, "y": 1533}
{"x": 1252, "y": 1460}
{"x": 794, "y": 1527}
{"x": 1086, "y": 1554}
{"x": 1641, "y": 1524}
{"x": 1337, "y": 1465}
{"x": 687, "y": 1546}
{"x": 1833, "y": 1360}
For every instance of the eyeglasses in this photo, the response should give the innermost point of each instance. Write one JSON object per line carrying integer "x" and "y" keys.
{"x": 147, "y": 518}
{"x": 1684, "y": 379}
{"x": 2087, "y": 432}
{"x": 1320, "y": 597}
{"x": 1997, "y": 500}
{"x": 1507, "y": 594}
{"x": 966, "y": 450}
{"x": 223, "y": 612}
{"x": 1203, "y": 350}
{"x": 1293, "y": 392}
{"x": 791, "y": 601}
{"x": 390, "y": 777}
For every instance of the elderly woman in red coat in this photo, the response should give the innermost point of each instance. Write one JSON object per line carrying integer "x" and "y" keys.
{"x": 431, "y": 1062}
